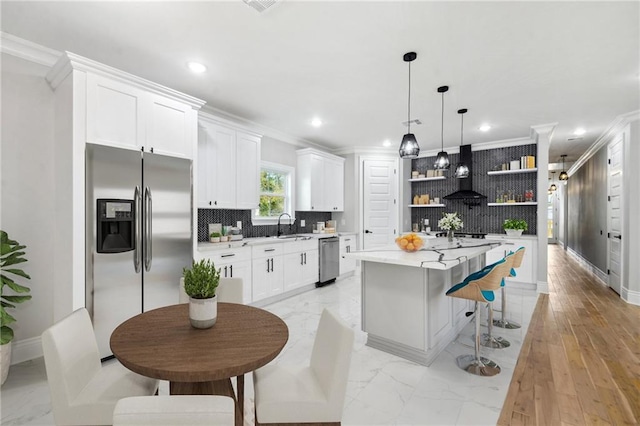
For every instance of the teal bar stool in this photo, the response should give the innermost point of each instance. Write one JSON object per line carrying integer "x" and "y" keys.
{"x": 488, "y": 339}
{"x": 480, "y": 287}
{"x": 503, "y": 322}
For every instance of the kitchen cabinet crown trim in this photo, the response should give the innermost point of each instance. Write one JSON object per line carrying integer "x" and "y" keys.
{"x": 70, "y": 61}
{"x": 206, "y": 117}
{"x": 305, "y": 151}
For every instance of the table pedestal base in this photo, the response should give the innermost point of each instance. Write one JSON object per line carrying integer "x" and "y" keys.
{"x": 215, "y": 387}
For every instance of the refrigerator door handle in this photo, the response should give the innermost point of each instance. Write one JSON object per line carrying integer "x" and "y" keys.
{"x": 148, "y": 229}
{"x": 137, "y": 257}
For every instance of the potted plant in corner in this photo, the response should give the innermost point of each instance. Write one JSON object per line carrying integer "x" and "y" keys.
{"x": 200, "y": 283}
{"x": 224, "y": 237}
{"x": 11, "y": 254}
{"x": 515, "y": 227}
{"x": 214, "y": 237}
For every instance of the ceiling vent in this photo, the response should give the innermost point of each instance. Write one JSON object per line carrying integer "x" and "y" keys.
{"x": 260, "y": 5}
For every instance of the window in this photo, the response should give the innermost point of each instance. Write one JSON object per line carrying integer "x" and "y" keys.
{"x": 276, "y": 193}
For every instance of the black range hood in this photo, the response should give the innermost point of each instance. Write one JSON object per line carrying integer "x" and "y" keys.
{"x": 465, "y": 191}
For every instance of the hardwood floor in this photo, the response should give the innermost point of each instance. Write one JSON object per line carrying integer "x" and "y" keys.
{"x": 580, "y": 361}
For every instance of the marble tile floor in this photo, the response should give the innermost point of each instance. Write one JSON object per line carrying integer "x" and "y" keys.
{"x": 382, "y": 388}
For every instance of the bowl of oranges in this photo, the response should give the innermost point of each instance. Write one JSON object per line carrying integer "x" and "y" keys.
{"x": 410, "y": 242}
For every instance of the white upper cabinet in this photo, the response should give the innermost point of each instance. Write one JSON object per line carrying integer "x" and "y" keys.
{"x": 228, "y": 167}
{"x": 319, "y": 181}
{"x": 126, "y": 116}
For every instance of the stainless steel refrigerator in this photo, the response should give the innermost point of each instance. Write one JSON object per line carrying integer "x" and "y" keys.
{"x": 139, "y": 234}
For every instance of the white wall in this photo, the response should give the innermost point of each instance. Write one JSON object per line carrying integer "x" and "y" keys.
{"x": 27, "y": 171}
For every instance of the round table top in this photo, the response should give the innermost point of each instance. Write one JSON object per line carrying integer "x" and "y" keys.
{"x": 162, "y": 343}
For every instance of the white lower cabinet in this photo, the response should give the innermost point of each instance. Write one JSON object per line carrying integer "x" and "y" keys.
{"x": 525, "y": 273}
{"x": 234, "y": 263}
{"x": 267, "y": 271}
{"x": 300, "y": 264}
{"x": 347, "y": 245}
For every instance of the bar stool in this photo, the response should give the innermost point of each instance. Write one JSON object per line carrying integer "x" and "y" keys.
{"x": 480, "y": 287}
{"x": 503, "y": 322}
{"x": 488, "y": 340}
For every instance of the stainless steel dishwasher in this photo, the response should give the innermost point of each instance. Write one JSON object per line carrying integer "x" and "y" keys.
{"x": 329, "y": 260}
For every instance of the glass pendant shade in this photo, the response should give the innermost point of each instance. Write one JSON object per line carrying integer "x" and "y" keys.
{"x": 442, "y": 161}
{"x": 462, "y": 171}
{"x": 409, "y": 146}
{"x": 563, "y": 174}
{"x": 553, "y": 187}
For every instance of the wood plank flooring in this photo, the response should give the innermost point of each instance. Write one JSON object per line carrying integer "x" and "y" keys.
{"x": 580, "y": 360}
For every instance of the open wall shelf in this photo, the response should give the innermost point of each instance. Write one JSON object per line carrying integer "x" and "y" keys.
{"x": 511, "y": 172}
{"x": 526, "y": 203}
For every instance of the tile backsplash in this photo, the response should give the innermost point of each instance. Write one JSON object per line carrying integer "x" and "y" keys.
{"x": 480, "y": 218}
{"x": 230, "y": 217}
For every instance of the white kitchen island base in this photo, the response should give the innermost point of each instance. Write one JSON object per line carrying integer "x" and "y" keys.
{"x": 405, "y": 309}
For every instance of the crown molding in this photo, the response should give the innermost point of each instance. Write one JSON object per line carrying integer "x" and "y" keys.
{"x": 542, "y": 130}
{"x": 616, "y": 126}
{"x": 70, "y": 61}
{"x": 27, "y": 50}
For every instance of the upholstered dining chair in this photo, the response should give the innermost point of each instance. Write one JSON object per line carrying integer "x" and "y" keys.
{"x": 480, "y": 287}
{"x": 84, "y": 392}
{"x": 312, "y": 393}
{"x": 503, "y": 322}
{"x": 174, "y": 410}
{"x": 229, "y": 291}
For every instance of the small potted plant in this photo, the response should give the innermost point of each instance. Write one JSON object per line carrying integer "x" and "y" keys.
{"x": 515, "y": 227}
{"x": 200, "y": 283}
{"x": 12, "y": 254}
{"x": 224, "y": 237}
{"x": 214, "y": 237}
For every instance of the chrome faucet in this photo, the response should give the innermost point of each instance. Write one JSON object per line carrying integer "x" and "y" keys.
{"x": 290, "y": 222}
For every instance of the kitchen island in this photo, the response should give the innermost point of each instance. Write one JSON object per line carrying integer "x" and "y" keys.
{"x": 405, "y": 310}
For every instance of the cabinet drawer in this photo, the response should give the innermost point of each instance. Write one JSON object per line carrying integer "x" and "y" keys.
{"x": 266, "y": 250}
{"x": 220, "y": 257}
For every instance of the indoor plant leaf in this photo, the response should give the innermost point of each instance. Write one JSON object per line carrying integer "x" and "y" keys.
{"x": 6, "y": 335}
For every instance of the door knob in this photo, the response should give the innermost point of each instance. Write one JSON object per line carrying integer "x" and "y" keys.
{"x": 366, "y": 231}
{"x": 618, "y": 237}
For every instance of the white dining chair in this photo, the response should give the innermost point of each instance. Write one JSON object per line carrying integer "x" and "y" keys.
{"x": 229, "y": 290}
{"x": 83, "y": 391}
{"x": 175, "y": 410}
{"x": 313, "y": 393}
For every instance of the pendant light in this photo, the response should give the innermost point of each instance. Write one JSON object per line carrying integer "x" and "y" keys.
{"x": 462, "y": 169}
{"x": 409, "y": 146}
{"x": 553, "y": 186}
{"x": 563, "y": 174}
{"x": 442, "y": 160}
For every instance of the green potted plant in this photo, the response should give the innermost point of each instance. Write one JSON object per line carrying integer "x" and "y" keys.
{"x": 11, "y": 254}
{"x": 515, "y": 227}
{"x": 214, "y": 237}
{"x": 224, "y": 237}
{"x": 200, "y": 283}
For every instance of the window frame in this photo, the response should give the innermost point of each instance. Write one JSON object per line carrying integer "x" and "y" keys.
{"x": 289, "y": 196}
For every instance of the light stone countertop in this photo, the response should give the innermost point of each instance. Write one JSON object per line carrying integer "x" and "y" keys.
{"x": 436, "y": 254}
{"x": 205, "y": 246}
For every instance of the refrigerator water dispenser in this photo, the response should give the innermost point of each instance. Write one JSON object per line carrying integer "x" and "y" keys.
{"x": 115, "y": 225}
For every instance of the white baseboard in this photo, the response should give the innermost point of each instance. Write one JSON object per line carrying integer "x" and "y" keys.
{"x": 542, "y": 287}
{"x": 602, "y": 276}
{"x": 630, "y": 296}
{"x": 25, "y": 350}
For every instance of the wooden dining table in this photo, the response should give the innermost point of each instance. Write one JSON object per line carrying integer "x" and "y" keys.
{"x": 162, "y": 344}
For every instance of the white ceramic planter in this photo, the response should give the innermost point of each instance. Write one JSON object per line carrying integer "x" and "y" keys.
{"x": 5, "y": 360}
{"x": 203, "y": 313}
{"x": 513, "y": 232}
{"x": 214, "y": 239}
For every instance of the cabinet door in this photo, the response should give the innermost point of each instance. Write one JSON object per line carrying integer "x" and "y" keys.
{"x": 205, "y": 170}
{"x": 115, "y": 113}
{"x": 524, "y": 273}
{"x": 317, "y": 184}
{"x": 311, "y": 267}
{"x": 260, "y": 270}
{"x": 222, "y": 160}
{"x": 242, "y": 270}
{"x": 293, "y": 270}
{"x": 169, "y": 127}
{"x": 334, "y": 185}
{"x": 347, "y": 245}
{"x": 247, "y": 171}
{"x": 276, "y": 276}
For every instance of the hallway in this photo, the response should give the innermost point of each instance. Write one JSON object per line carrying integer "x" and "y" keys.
{"x": 580, "y": 361}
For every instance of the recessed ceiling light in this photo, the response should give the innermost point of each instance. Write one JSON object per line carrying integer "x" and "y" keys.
{"x": 316, "y": 122}
{"x": 579, "y": 131}
{"x": 196, "y": 67}
{"x": 387, "y": 142}
{"x": 484, "y": 128}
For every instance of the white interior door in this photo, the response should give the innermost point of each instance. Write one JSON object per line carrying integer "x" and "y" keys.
{"x": 614, "y": 213}
{"x": 380, "y": 209}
